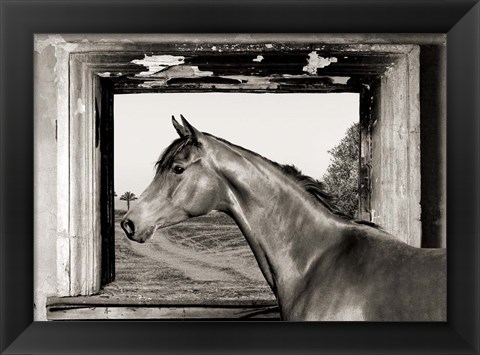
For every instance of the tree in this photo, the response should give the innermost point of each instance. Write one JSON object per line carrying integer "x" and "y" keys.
{"x": 341, "y": 177}
{"x": 128, "y": 196}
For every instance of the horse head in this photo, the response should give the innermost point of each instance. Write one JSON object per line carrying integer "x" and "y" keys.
{"x": 185, "y": 185}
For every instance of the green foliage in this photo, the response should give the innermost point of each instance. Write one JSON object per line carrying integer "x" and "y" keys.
{"x": 341, "y": 177}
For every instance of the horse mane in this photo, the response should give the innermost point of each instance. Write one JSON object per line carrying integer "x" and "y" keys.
{"x": 314, "y": 187}
{"x": 317, "y": 190}
{"x": 167, "y": 157}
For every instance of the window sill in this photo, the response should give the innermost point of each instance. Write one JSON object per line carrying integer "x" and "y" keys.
{"x": 104, "y": 308}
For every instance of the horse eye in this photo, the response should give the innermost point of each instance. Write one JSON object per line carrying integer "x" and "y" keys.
{"x": 178, "y": 169}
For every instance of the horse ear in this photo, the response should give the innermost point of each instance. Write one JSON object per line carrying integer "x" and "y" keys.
{"x": 191, "y": 130}
{"x": 182, "y": 131}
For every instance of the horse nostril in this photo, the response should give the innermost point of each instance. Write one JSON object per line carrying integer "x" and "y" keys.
{"x": 128, "y": 227}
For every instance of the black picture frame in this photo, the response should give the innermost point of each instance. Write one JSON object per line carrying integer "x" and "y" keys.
{"x": 459, "y": 19}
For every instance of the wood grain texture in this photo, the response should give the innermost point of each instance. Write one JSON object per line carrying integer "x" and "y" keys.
{"x": 395, "y": 135}
{"x": 165, "y": 313}
{"x": 84, "y": 308}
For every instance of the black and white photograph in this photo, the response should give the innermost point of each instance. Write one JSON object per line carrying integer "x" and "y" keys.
{"x": 240, "y": 177}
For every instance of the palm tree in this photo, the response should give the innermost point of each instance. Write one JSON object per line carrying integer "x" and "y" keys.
{"x": 128, "y": 196}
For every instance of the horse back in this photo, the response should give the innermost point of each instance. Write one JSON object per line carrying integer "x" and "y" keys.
{"x": 375, "y": 278}
{"x": 411, "y": 288}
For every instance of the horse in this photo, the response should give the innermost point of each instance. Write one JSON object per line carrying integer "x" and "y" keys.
{"x": 320, "y": 264}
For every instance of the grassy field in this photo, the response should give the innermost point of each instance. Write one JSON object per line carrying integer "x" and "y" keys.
{"x": 204, "y": 258}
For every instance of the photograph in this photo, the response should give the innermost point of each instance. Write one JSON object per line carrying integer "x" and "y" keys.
{"x": 207, "y": 257}
{"x": 254, "y": 177}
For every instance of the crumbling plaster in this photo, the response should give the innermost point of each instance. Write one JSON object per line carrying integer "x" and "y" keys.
{"x": 161, "y": 69}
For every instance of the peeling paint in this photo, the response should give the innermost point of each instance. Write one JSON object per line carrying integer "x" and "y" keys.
{"x": 157, "y": 63}
{"x": 175, "y": 72}
{"x": 258, "y": 59}
{"x": 80, "y": 109}
{"x": 199, "y": 72}
{"x": 235, "y": 81}
{"x": 180, "y": 71}
{"x": 52, "y": 40}
{"x": 107, "y": 74}
{"x": 187, "y": 75}
{"x": 152, "y": 84}
{"x": 341, "y": 80}
{"x": 204, "y": 81}
{"x": 316, "y": 62}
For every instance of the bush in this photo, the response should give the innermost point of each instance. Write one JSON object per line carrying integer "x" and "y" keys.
{"x": 341, "y": 177}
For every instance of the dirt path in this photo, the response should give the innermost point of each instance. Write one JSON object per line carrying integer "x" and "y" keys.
{"x": 204, "y": 258}
{"x": 197, "y": 265}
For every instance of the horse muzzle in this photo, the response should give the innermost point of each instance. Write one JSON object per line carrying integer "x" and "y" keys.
{"x": 128, "y": 227}
{"x": 133, "y": 233}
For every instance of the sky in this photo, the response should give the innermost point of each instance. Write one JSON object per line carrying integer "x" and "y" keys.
{"x": 288, "y": 128}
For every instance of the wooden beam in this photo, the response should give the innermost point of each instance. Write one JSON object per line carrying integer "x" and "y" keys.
{"x": 103, "y": 300}
{"x": 95, "y": 307}
{"x": 165, "y": 313}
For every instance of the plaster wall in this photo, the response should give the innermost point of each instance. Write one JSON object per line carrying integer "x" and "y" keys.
{"x": 47, "y": 88}
{"x": 395, "y": 140}
{"x": 51, "y": 111}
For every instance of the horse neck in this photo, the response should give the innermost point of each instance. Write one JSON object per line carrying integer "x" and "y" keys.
{"x": 286, "y": 229}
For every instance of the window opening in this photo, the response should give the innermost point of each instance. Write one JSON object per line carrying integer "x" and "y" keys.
{"x": 207, "y": 258}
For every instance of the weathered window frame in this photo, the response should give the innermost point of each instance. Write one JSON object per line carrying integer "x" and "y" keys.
{"x": 95, "y": 75}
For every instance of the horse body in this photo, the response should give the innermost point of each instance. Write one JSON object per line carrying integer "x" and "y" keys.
{"x": 373, "y": 279}
{"x": 319, "y": 265}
